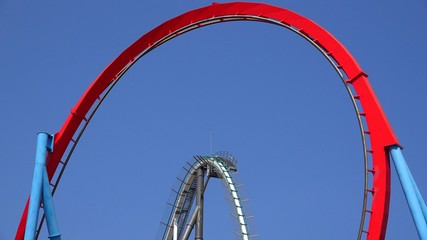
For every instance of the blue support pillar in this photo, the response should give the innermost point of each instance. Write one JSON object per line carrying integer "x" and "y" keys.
{"x": 36, "y": 188}
{"x": 413, "y": 196}
{"x": 49, "y": 210}
{"x": 40, "y": 190}
{"x": 419, "y": 197}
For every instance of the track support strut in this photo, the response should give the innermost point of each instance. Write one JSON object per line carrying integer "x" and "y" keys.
{"x": 40, "y": 192}
{"x": 413, "y": 196}
{"x": 200, "y": 203}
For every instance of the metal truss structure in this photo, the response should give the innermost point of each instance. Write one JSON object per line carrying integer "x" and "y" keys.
{"x": 183, "y": 217}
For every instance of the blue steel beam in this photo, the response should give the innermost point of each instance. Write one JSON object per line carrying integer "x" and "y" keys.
{"x": 40, "y": 191}
{"x": 43, "y": 146}
{"x": 419, "y": 197}
{"x": 49, "y": 210}
{"x": 413, "y": 196}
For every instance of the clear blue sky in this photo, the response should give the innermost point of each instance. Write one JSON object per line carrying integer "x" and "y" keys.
{"x": 270, "y": 98}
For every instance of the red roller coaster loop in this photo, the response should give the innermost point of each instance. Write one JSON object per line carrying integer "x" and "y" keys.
{"x": 378, "y": 129}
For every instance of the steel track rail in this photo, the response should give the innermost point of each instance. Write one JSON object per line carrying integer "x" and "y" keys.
{"x": 231, "y": 18}
{"x": 354, "y": 79}
{"x": 181, "y": 196}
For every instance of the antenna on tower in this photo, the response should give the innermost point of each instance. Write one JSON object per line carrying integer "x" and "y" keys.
{"x": 210, "y": 141}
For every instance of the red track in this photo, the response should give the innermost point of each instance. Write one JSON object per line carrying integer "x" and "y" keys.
{"x": 381, "y": 134}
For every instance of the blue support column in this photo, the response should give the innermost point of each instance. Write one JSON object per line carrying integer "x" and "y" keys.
{"x": 43, "y": 146}
{"x": 412, "y": 194}
{"x": 49, "y": 210}
{"x": 419, "y": 197}
{"x": 40, "y": 190}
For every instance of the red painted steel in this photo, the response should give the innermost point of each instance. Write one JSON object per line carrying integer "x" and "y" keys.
{"x": 381, "y": 133}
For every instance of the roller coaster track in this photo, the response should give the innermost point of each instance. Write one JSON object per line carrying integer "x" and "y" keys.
{"x": 215, "y": 166}
{"x": 376, "y": 133}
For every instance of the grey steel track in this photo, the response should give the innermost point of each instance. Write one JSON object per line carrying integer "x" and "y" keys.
{"x": 182, "y": 205}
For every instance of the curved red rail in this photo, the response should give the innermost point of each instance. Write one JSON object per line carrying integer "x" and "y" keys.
{"x": 381, "y": 133}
